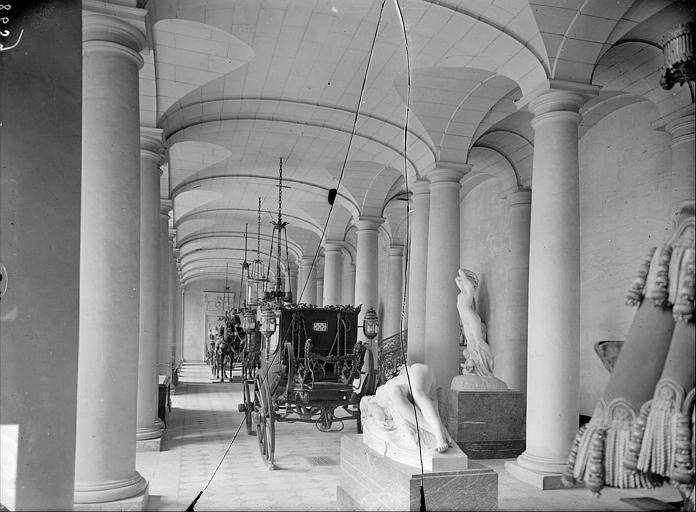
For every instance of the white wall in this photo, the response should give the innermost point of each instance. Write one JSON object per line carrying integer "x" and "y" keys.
{"x": 484, "y": 242}
{"x": 624, "y": 210}
{"x": 195, "y": 316}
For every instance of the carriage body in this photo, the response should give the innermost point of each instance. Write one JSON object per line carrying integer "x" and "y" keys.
{"x": 311, "y": 369}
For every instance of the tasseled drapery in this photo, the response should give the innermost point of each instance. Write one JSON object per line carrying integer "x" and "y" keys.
{"x": 640, "y": 429}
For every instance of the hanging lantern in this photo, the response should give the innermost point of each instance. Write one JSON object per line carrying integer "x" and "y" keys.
{"x": 256, "y": 279}
{"x": 371, "y": 324}
{"x": 249, "y": 321}
{"x": 268, "y": 322}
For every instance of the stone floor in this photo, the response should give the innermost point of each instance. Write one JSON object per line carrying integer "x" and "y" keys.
{"x": 202, "y": 424}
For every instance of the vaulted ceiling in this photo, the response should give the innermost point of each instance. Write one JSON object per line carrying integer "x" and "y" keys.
{"x": 235, "y": 85}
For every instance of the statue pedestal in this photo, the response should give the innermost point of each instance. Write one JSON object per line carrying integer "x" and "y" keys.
{"x": 485, "y": 424}
{"x": 389, "y": 446}
{"x": 371, "y": 481}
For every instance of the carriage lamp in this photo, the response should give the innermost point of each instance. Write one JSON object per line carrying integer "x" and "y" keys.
{"x": 371, "y": 324}
{"x": 249, "y": 321}
{"x": 268, "y": 322}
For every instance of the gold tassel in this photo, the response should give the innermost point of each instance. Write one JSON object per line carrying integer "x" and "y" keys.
{"x": 660, "y": 292}
{"x": 595, "y": 474}
{"x": 683, "y": 309}
{"x": 568, "y": 479}
{"x": 636, "y": 439}
{"x": 683, "y": 467}
{"x": 635, "y": 294}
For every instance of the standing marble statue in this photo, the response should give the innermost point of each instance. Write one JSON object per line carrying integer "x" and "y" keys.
{"x": 477, "y": 370}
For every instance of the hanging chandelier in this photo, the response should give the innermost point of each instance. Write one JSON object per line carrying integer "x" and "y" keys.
{"x": 256, "y": 280}
{"x": 242, "y": 304}
{"x": 278, "y": 294}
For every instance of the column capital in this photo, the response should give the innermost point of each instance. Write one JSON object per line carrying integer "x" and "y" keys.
{"x": 522, "y": 197}
{"x": 152, "y": 145}
{"x": 555, "y": 95}
{"x": 680, "y": 125}
{"x": 366, "y": 223}
{"x": 420, "y": 187}
{"x": 166, "y": 206}
{"x": 112, "y": 27}
{"x": 396, "y": 250}
{"x": 553, "y": 103}
{"x": 171, "y": 234}
{"x": 333, "y": 245}
{"x": 306, "y": 261}
{"x": 447, "y": 172}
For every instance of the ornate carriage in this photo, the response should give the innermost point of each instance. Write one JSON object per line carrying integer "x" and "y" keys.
{"x": 310, "y": 365}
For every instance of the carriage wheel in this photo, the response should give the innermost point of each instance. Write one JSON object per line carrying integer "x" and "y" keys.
{"x": 248, "y": 404}
{"x": 265, "y": 426}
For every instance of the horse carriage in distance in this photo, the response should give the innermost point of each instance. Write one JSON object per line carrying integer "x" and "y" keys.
{"x": 311, "y": 368}
{"x": 227, "y": 344}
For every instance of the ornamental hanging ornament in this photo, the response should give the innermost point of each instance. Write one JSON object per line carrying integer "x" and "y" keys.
{"x": 256, "y": 279}
{"x": 678, "y": 49}
{"x": 278, "y": 294}
{"x": 245, "y": 272}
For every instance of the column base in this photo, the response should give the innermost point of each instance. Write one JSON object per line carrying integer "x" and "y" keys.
{"x": 160, "y": 425}
{"x": 135, "y": 503}
{"x": 149, "y": 439}
{"x": 538, "y": 479}
{"x": 124, "y": 494}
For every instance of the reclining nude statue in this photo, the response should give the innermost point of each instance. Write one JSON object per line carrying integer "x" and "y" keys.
{"x": 477, "y": 370}
{"x": 389, "y": 417}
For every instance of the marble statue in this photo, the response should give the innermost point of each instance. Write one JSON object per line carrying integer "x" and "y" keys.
{"x": 389, "y": 417}
{"x": 477, "y": 370}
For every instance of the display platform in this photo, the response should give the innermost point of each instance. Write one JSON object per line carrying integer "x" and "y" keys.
{"x": 371, "y": 481}
{"x": 485, "y": 424}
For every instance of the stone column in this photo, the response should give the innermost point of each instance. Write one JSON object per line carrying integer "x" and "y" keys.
{"x": 333, "y": 266}
{"x": 308, "y": 284}
{"x": 320, "y": 291}
{"x": 176, "y": 307}
{"x": 441, "y": 316}
{"x": 163, "y": 357}
{"x": 367, "y": 270}
{"x": 681, "y": 127}
{"x": 348, "y": 282}
{"x": 40, "y": 184}
{"x": 149, "y": 432}
{"x": 553, "y": 372}
{"x": 394, "y": 294}
{"x": 511, "y": 354}
{"x": 171, "y": 300}
{"x": 417, "y": 272}
{"x": 110, "y": 259}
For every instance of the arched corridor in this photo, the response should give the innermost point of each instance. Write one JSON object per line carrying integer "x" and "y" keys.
{"x": 148, "y": 148}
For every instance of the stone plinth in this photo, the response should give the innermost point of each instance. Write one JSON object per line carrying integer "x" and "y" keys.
{"x": 485, "y": 424}
{"x": 406, "y": 453}
{"x": 135, "y": 503}
{"x": 371, "y": 481}
{"x": 148, "y": 445}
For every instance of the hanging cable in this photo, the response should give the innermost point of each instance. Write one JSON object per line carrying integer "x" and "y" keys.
{"x": 407, "y": 250}
{"x": 190, "y": 508}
